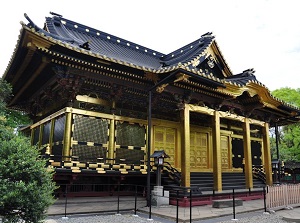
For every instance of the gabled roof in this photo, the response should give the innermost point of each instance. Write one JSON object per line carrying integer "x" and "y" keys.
{"x": 123, "y": 51}
{"x": 102, "y": 43}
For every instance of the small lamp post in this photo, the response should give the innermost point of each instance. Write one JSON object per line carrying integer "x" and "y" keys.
{"x": 159, "y": 157}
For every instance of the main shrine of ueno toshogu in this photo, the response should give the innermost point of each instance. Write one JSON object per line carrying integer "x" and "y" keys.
{"x": 102, "y": 105}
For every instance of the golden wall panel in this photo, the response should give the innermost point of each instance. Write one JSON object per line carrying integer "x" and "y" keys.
{"x": 165, "y": 139}
{"x": 199, "y": 150}
{"x": 225, "y": 153}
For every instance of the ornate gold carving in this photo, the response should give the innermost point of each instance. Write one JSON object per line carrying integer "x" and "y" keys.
{"x": 161, "y": 88}
{"x": 195, "y": 62}
{"x": 152, "y": 77}
{"x": 181, "y": 77}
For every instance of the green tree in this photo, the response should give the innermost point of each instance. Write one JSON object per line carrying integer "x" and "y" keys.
{"x": 13, "y": 118}
{"x": 26, "y": 186}
{"x": 289, "y": 136}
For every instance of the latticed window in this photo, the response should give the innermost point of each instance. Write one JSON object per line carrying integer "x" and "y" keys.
{"x": 131, "y": 138}
{"x": 90, "y": 133}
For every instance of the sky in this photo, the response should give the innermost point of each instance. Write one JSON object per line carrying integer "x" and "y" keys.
{"x": 259, "y": 34}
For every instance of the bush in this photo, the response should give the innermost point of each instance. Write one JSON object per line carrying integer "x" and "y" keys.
{"x": 26, "y": 186}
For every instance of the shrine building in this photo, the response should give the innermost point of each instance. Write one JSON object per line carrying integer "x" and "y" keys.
{"x": 102, "y": 105}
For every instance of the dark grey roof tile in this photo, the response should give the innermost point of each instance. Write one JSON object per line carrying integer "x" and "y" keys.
{"x": 119, "y": 49}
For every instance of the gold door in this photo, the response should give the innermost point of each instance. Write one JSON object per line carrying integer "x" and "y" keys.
{"x": 225, "y": 153}
{"x": 165, "y": 139}
{"x": 199, "y": 151}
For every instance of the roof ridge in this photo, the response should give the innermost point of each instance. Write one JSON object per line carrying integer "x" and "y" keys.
{"x": 189, "y": 45}
{"x": 107, "y": 37}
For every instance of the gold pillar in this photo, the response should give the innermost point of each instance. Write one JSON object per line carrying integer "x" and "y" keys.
{"x": 111, "y": 143}
{"x": 67, "y": 136}
{"x": 247, "y": 154}
{"x": 185, "y": 147}
{"x": 216, "y": 135}
{"x": 41, "y": 135}
{"x": 267, "y": 154}
{"x": 51, "y": 135}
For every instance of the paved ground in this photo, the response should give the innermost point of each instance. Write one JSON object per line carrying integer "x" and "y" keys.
{"x": 91, "y": 206}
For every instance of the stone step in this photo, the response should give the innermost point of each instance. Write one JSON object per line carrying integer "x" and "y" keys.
{"x": 225, "y": 203}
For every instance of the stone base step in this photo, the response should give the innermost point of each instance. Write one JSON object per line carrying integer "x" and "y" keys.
{"x": 225, "y": 203}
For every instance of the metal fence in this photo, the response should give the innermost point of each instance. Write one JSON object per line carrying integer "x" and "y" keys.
{"x": 180, "y": 197}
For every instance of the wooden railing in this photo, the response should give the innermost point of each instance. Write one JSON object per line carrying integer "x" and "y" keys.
{"x": 282, "y": 196}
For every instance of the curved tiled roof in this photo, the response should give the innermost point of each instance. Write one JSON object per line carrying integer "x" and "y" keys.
{"x": 189, "y": 52}
{"x": 119, "y": 49}
{"x": 243, "y": 78}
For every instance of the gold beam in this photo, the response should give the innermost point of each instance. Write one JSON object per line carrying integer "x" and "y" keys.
{"x": 185, "y": 147}
{"x": 227, "y": 115}
{"x": 51, "y": 135}
{"x": 67, "y": 136}
{"x": 216, "y": 136}
{"x": 267, "y": 154}
{"x": 247, "y": 154}
{"x": 88, "y": 99}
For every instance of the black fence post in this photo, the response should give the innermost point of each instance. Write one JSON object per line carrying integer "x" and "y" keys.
{"x": 233, "y": 205}
{"x": 66, "y": 201}
{"x": 265, "y": 205}
{"x": 190, "y": 205}
{"x": 177, "y": 195}
{"x": 150, "y": 204}
{"x": 118, "y": 199}
{"x": 135, "y": 200}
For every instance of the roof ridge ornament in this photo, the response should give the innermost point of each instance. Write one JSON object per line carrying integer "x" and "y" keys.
{"x": 55, "y": 14}
{"x": 249, "y": 72}
{"x": 38, "y": 29}
{"x": 208, "y": 34}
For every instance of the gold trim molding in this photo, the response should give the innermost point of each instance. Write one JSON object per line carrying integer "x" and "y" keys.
{"x": 228, "y": 115}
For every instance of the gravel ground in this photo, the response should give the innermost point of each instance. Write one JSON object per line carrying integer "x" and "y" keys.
{"x": 128, "y": 218}
{"x": 264, "y": 218}
{"x": 124, "y": 218}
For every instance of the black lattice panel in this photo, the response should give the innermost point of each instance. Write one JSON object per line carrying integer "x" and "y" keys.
{"x": 129, "y": 156}
{"x": 130, "y": 134}
{"x": 90, "y": 129}
{"x": 87, "y": 153}
{"x": 57, "y": 152}
{"x": 46, "y": 133}
{"x": 59, "y": 129}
